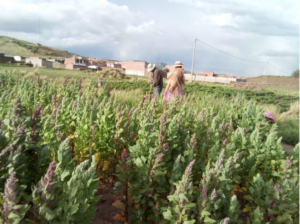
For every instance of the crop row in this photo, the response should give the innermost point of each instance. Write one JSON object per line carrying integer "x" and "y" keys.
{"x": 264, "y": 97}
{"x": 173, "y": 163}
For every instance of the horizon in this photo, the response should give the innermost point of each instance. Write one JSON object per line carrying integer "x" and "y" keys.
{"x": 231, "y": 35}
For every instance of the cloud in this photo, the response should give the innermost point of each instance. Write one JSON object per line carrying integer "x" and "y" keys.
{"x": 164, "y": 30}
{"x": 259, "y": 17}
{"x": 141, "y": 28}
{"x": 70, "y": 22}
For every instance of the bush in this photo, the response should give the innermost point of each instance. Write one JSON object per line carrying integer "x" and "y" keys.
{"x": 112, "y": 73}
{"x": 165, "y": 69}
{"x": 295, "y": 73}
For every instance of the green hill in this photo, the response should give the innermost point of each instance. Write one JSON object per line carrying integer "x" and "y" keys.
{"x": 12, "y": 46}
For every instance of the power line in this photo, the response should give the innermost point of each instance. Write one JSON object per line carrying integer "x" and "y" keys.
{"x": 277, "y": 68}
{"x": 231, "y": 54}
{"x": 243, "y": 59}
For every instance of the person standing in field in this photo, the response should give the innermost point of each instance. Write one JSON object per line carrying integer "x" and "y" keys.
{"x": 156, "y": 79}
{"x": 175, "y": 82}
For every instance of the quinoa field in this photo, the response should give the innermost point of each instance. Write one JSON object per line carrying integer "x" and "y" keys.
{"x": 71, "y": 150}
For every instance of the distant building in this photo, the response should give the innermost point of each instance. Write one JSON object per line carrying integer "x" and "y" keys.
{"x": 160, "y": 65}
{"x": 113, "y": 65}
{"x": 76, "y": 59}
{"x": 92, "y": 61}
{"x": 77, "y": 66}
{"x": 75, "y": 62}
{"x": 209, "y": 73}
{"x": 56, "y": 60}
{"x": 37, "y": 44}
{"x": 20, "y": 59}
{"x": 135, "y": 68}
{"x": 93, "y": 67}
{"x": 38, "y": 62}
{"x": 102, "y": 64}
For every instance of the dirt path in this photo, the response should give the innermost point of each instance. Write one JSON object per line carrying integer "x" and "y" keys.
{"x": 287, "y": 147}
{"x": 105, "y": 210}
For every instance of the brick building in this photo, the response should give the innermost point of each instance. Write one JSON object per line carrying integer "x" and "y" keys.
{"x": 92, "y": 62}
{"x": 77, "y": 66}
{"x": 76, "y": 62}
{"x": 113, "y": 65}
{"x": 56, "y": 64}
{"x": 75, "y": 59}
{"x": 135, "y": 68}
{"x": 38, "y": 62}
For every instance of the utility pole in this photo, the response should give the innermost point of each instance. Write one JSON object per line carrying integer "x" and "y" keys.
{"x": 39, "y": 30}
{"x": 193, "y": 60}
{"x": 267, "y": 68}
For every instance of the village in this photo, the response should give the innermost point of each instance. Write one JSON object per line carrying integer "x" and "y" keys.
{"x": 134, "y": 67}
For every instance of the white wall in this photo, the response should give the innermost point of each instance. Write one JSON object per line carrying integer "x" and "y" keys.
{"x": 19, "y": 58}
{"x": 210, "y": 79}
{"x": 35, "y": 61}
{"x": 39, "y": 62}
{"x": 134, "y": 72}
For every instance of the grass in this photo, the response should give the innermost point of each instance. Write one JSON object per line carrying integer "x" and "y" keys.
{"x": 289, "y": 131}
{"x": 12, "y": 46}
{"x": 288, "y": 122}
{"x": 283, "y": 91}
{"x": 279, "y": 117}
{"x": 131, "y": 98}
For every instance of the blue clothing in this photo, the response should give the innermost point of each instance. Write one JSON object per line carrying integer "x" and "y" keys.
{"x": 157, "y": 90}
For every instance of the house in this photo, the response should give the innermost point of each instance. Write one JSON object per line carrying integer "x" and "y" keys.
{"x": 135, "y": 68}
{"x": 38, "y": 44}
{"x": 76, "y": 62}
{"x": 211, "y": 74}
{"x": 93, "y": 67}
{"x": 20, "y": 59}
{"x": 113, "y": 65}
{"x": 57, "y": 63}
{"x": 38, "y": 62}
{"x": 56, "y": 60}
{"x": 6, "y": 58}
{"x": 102, "y": 64}
{"x": 92, "y": 61}
{"x": 77, "y": 66}
{"x": 76, "y": 59}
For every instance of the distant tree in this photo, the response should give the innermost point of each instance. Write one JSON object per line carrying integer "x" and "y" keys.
{"x": 295, "y": 73}
{"x": 165, "y": 69}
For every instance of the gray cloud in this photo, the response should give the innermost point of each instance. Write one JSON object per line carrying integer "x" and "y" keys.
{"x": 165, "y": 30}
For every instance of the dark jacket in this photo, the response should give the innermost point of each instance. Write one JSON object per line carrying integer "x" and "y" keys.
{"x": 157, "y": 77}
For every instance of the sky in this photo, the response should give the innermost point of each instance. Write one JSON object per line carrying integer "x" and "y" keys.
{"x": 164, "y": 31}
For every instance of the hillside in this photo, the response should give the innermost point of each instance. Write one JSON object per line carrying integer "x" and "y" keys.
{"x": 12, "y": 46}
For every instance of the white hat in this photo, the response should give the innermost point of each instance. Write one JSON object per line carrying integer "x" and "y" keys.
{"x": 150, "y": 67}
{"x": 178, "y": 64}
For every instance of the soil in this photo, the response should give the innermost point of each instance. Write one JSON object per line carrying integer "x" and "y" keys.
{"x": 244, "y": 216}
{"x": 275, "y": 81}
{"x": 105, "y": 210}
